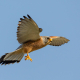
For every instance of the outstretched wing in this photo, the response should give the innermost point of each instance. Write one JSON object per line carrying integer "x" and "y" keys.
{"x": 27, "y": 30}
{"x": 58, "y": 41}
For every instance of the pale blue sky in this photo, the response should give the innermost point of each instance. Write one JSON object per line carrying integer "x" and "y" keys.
{"x": 57, "y": 18}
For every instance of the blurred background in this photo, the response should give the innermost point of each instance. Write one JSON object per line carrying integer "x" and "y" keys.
{"x": 56, "y": 18}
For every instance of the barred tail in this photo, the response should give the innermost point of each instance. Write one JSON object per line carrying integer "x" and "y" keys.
{"x": 12, "y": 57}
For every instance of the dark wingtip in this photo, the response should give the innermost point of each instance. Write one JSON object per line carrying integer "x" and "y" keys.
{"x": 21, "y": 19}
{"x": 28, "y": 16}
{"x": 24, "y": 16}
{"x": 7, "y": 61}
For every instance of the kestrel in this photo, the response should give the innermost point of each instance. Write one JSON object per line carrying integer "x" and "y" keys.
{"x": 28, "y": 35}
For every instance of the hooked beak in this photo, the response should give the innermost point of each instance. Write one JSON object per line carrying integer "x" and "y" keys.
{"x": 50, "y": 39}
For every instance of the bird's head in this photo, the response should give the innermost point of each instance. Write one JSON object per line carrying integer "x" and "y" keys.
{"x": 47, "y": 40}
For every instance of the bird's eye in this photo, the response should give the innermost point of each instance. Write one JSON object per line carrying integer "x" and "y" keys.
{"x": 48, "y": 38}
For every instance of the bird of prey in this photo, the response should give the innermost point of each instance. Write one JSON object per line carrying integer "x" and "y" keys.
{"x": 28, "y": 35}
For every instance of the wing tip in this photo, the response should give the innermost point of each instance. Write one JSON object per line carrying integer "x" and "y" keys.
{"x": 24, "y": 16}
{"x": 58, "y": 40}
{"x": 29, "y": 16}
{"x": 21, "y": 19}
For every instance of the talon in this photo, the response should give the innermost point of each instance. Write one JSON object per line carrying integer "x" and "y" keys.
{"x": 28, "y": 58}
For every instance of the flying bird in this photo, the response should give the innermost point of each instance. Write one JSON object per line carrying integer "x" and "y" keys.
{"x": 28, "y": 35}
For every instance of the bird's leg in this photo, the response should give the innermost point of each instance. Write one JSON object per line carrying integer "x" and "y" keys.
{"x": 28, "y": 57}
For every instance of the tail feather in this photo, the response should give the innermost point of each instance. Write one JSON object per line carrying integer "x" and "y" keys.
{"x": 12, "y": 57}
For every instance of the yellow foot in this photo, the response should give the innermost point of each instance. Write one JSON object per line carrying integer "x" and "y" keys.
{"x": 28, "y": 58}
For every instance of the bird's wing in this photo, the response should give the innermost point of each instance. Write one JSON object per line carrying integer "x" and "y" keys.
{"x": 27, "y": 30}
{"x": 58, "y": 41}
{"x": 12, "y": 57}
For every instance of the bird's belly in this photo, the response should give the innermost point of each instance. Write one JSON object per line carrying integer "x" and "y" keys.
{"x": 32, "y": 46}
{"x": 36, "y": 47}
